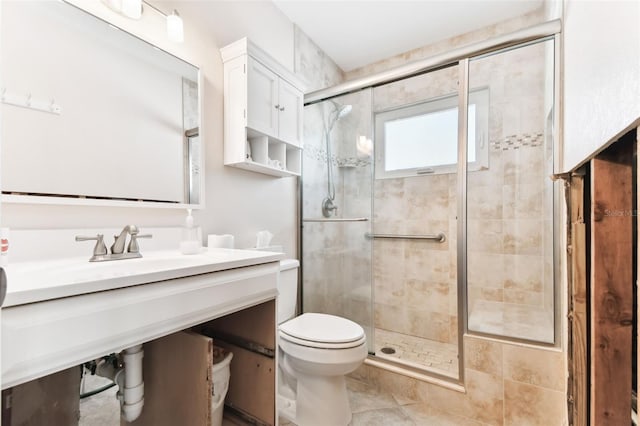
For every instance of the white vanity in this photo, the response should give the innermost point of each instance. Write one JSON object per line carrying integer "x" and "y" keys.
{"x": 63, "y": 312}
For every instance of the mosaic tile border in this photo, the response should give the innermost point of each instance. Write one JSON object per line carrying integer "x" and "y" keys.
{"x": 518, "y": 141}
{"x": 320, "y": 155}
{"x": 511, "y": 142}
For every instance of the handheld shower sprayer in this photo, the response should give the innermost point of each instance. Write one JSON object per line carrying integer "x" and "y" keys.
{"x": 329, "y": 207}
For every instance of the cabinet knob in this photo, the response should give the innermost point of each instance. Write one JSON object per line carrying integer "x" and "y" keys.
{"x": 281, "y": 108}
{"x": 277, "y": 106}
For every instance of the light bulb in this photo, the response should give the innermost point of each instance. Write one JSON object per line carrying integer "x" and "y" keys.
{"x": 175, "y": 27}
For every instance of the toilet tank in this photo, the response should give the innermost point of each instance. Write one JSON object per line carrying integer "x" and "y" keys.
{"x": 287, "y": 289}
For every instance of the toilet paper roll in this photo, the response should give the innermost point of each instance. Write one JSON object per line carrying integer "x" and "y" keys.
{"x": 220, "y": 241}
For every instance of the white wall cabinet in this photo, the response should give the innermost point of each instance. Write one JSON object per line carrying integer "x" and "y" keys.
{"x": 263, "y": 104}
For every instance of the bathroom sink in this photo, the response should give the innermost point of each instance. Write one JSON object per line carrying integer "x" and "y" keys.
{"x": 59, "y": 313}
{"x": 30, "y": 282}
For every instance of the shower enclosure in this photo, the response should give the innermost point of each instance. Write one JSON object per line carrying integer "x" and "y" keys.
{"x": 427, "y": 206}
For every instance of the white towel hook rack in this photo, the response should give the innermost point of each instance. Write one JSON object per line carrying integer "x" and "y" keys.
{"x": 29, "y": 102}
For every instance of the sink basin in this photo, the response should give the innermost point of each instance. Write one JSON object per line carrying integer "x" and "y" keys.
{"x": 35, "y": 281}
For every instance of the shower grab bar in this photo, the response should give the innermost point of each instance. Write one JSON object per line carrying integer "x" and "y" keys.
{"x": 336, "y": 219}
{"x": 441, "y": 237}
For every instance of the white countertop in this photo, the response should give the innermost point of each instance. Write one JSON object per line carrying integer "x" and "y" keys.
{"x": 36, "y": 281}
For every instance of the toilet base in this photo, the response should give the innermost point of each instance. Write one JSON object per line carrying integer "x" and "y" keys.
{"x": 286, "y": 408}
{"x": 320, "y": 401}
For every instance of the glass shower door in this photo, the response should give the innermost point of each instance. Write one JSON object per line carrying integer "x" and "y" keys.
{"x": 415, "y": 222}
{"x": 336, "y": 209}
{"x": 510, "y": 245}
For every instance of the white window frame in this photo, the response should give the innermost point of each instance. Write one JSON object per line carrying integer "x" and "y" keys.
{"x": 478, "y": 97}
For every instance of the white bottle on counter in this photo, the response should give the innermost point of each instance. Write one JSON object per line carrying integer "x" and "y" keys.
{"x": 191, "y": 242}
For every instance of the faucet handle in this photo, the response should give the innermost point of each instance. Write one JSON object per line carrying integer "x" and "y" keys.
{"x": 133, "y": 244}
{"x": 100, "y": 248}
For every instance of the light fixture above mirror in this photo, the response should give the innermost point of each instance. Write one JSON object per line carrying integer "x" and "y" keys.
{"x": 133, "y": 9}
{"x": 175, "y": 27}
{"x": 129, "y": 8}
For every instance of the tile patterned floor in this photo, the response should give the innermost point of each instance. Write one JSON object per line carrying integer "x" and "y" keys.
{"x": 371, "y": 407}
{"x": 440, "y": 357}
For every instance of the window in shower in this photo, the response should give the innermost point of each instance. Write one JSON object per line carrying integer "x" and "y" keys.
{"x": 422, "y": 138}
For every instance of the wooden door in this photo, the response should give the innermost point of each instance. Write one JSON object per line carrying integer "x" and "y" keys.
{"x": 177, "y": 381}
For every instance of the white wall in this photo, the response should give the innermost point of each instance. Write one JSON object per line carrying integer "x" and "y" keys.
{"x": 601, "y": 75}
{"x": 228, "y": 21}
{"x": 237, "y": 201}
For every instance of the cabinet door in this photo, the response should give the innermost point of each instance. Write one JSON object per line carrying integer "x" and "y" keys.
{"x": 290, "y": 119}
{"x": 178, "y": 381}
{"x": 262, "y": 114}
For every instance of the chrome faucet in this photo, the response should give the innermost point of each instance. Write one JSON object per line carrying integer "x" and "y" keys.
{"x": 328, "y": 207}
{"x": 100, "y": 253}
{"x": 120, "y": 240}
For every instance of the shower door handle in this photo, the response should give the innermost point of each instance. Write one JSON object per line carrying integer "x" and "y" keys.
{"x": 440, "y": 238}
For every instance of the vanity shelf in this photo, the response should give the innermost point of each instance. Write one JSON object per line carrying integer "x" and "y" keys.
{"x": 263, "y": 105}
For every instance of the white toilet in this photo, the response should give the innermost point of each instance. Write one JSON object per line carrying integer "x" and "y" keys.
{"x": 316, "y": 352}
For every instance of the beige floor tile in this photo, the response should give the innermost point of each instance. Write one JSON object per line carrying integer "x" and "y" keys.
{"x": 383, "y": 417}
{"x": 363, "y": 397}
{"x": 421, "y": 414}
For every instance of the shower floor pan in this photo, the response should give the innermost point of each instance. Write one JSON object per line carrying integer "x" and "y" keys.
{"x": 417, "y": 352}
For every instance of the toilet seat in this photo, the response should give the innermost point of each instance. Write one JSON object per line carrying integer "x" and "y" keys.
{"x": 322, "y": 345}
{"x": 322, "y": 331}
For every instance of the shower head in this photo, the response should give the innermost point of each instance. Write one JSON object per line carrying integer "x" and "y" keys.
{"x": 344, "y": 110}
{"x": 338, "y": 112}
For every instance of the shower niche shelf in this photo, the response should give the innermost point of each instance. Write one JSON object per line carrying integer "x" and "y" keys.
{"x": 263, "y": 104}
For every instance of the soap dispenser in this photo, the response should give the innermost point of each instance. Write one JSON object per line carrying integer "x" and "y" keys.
{"x": 191, "y": 236}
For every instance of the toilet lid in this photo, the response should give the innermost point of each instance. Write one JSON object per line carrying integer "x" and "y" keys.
{"x": 322, "y": 328}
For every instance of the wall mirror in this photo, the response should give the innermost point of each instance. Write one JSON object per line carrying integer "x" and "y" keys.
{"x": 92, "y": 112}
